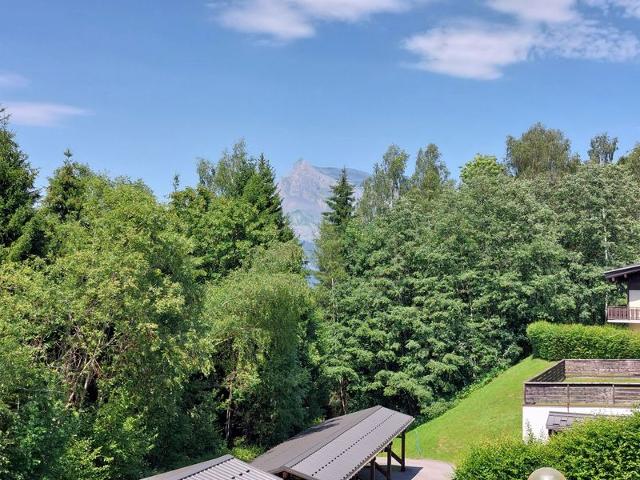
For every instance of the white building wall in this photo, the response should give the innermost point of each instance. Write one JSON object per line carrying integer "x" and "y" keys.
{"x": 534, "y": 418}
{"x": 634, "y": 301}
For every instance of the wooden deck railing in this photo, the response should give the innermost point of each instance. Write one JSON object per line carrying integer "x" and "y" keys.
{"x": 623, "y": 314}
{"x": 551, "y": 387}
{"x": 583, "y": 394}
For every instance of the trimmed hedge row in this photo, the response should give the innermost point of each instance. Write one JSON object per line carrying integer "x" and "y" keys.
{"x": 552, "y": 341}
{"x": 599, "y": 449}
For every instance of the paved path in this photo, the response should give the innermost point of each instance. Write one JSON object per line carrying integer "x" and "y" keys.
{"x": 417, "y": 470}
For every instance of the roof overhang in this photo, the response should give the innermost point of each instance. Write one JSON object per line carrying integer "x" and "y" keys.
{"x": 622, "y": 272}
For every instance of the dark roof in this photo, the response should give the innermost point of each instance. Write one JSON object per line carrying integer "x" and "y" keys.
{"x": 337, "y": 448}
{"x": 622, "y": 272}
{"x": 223, "y": 468}
{"x": 558, "y": 421}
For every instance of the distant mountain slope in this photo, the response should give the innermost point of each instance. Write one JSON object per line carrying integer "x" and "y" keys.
{"x": 304, "y": 192}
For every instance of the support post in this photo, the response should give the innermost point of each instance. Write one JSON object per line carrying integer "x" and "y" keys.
{"x": 372, "y": 469}
{"x": 403, "y": 466}
{"x": 389, "y": 462}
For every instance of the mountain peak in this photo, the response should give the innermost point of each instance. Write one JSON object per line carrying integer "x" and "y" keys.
{"x": 301, "y": 164}
{"x": 304, "y": 191}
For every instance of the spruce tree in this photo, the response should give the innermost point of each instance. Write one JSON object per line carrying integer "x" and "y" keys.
{"x": 341, "y": 201}
{"x": 67, "y": 187}
{"x": 261, "y": 191}
{"x": 17, "y": 192}
{"x": 330, "y": 246}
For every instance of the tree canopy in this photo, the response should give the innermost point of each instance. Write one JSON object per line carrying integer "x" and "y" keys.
{"x": 540, "y": 150}
{"x": 138, "y": 335}
{"x": 17, "y": 192}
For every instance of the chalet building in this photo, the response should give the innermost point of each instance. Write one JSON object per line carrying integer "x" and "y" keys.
{"x": 574, "y": 390}
{"x": 629, "y": 313}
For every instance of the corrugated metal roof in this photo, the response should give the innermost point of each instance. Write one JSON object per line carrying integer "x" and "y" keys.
{"x": 338, "y": 448}
{"x": 558, "y": 421}
{"x": 223, "y": 468}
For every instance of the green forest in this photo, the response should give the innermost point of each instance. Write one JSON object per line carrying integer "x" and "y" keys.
{"x": 139, "y": 335}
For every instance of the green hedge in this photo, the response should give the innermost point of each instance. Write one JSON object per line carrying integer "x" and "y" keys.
{"x": 600, "y": 449}
{"x": 552, "y": 341}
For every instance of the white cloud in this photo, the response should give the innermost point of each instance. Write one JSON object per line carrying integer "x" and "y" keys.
{"x": 630, "y": 8}
{"x": 294, "y": 19}
{"x": 540, "y": 28}
{"x": 471, "y": 50}
{"x": 273, "y": 18}
{"x": 350, "y": 10}
{"x": 548, "y": 11}
{"x": 41, "y": 114}
{"x": 591, "y": 41}
{"x": 10, "y": 80}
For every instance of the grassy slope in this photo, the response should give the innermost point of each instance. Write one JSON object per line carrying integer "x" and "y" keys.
{"x": 493, "y": 411}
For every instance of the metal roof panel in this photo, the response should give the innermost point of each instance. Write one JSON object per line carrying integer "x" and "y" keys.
{"x": 226, "y": 467}
{"x": 338, "y": 448}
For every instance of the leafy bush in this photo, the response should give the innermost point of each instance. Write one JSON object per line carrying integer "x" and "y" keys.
{"x": 504, "y": 460}
{"x": 555, "y": 342}
{"x": 600, "y": 449}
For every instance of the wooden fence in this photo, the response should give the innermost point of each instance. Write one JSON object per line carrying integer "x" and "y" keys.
{"x": 550, "y": 387}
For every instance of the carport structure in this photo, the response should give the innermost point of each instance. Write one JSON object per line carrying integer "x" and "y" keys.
{"x": 339, "y": 448}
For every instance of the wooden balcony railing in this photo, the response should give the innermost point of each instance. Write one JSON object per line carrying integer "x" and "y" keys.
{"x": 605, "y": 383}
{"x": 582, "y": 394}
{"x": 623, "y": 314}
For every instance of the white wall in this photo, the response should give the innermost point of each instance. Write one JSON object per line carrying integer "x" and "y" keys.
{"x": 634, "y": 301}
{"x": 634, "y": 298}
{"x": 534, "y": 418}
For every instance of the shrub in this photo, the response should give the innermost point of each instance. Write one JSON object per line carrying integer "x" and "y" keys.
{"x": 504, "y": 460}
{"x": 555, "y": 342}
{"x": 599, "y": 449}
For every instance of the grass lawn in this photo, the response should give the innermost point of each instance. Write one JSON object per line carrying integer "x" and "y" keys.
{"x": 493, "y": 411}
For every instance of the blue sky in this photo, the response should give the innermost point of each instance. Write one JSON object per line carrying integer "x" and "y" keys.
{"x": 143, "y": 88}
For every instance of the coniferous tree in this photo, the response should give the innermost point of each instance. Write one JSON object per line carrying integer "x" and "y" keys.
{"x": 330, "y": 245}
{"x": 341, "y": 202}
{"x": 261, "y": 191}
{"x": 17, "y": 192}
{"x": 66, "y": 188}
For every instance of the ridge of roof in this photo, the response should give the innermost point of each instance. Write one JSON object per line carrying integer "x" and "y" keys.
{"x": 307, "y": 453}
{"x": 279, "y": 457}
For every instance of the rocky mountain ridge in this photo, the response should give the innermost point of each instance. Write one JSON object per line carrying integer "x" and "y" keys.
{"x": 304, "y": 191}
